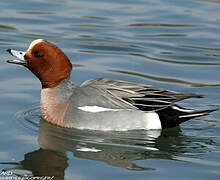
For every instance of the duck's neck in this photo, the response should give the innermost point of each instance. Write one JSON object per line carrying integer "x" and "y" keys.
{"x": 55, "y": 102}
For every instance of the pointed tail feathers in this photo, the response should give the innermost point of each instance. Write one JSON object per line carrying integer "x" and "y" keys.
{"x": 197, "y": 113}
{"x": 175, "y": 115}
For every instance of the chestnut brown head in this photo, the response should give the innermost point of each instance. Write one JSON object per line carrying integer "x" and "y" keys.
{"x": 46, "y": 61}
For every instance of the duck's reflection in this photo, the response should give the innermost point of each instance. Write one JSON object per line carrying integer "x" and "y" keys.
{"x": 115, "y": 148}
{"x": 45, "y": 163}
{"x": 118, "y": 149}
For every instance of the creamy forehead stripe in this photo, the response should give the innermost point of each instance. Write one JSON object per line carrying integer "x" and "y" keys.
{"x": 35, "y": 42}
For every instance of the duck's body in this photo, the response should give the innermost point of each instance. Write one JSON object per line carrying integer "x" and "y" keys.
{"x": 99, "y": 104}
{"x": 93, "y": 106}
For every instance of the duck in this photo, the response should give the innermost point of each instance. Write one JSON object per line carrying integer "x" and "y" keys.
{"x": 99, "y": 104}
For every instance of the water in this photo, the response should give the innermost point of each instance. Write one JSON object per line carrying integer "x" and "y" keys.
{"x": 169, "y": 44}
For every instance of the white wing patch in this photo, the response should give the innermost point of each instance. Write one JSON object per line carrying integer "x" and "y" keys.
{"x": 95, "y": 109}
{"x": 86, "y": 149}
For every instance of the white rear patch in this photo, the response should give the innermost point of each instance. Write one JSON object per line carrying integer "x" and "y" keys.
{"x": 153, "y": 120}
{"x": 96, "y": 109}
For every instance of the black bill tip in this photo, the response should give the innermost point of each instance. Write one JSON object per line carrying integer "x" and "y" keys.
{"x": 9, "y": 61}
{"x": 9, "y": 51}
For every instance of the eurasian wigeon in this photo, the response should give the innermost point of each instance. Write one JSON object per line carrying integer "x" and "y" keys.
{"x": 99, "y": 104}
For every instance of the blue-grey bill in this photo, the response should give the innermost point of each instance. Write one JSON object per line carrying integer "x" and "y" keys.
{"x": 19, "y": 55}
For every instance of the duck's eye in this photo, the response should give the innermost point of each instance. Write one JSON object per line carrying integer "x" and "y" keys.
{"x": 38, "y": 54}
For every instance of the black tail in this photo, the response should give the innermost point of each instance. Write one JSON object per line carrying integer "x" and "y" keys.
{"x": 172, "y": 116}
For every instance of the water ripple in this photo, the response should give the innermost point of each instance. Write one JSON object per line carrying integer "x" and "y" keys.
{"x": 162, "y": 79}
{"x": 165, "y": 25}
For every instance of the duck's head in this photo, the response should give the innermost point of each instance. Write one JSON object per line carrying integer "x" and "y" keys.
{"x": 45, "y": 60}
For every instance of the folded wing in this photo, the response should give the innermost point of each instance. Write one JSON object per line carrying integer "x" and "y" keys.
{"x": 141, "y": 96}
